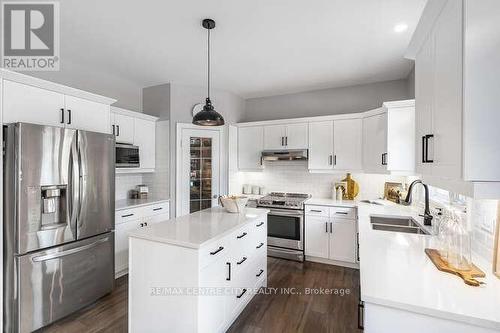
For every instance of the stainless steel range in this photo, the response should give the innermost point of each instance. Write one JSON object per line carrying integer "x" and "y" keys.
{"x": 285, "y": 224}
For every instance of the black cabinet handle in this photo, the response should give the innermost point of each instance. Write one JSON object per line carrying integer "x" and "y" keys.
{"x": 315, "y": 210}
{"x": 286, "y": 141}
{"x": 217, "y": 251}
{"x": 242, "y": 261}
{"x": 331, "y": 227}
{"x": 361, "y": 315}
{"x": 357, "y": 244}
{"x": 326, "y": 226}
{"x": 69, "y": 117}
{"x": 330, "y": 161}
{"x": 113, "y": 127}
{"x": 62, "y": 115}
{"x": 259, "y": 246}
{"x": 127, "y": 215}
{"x": 145, "y": 224}
{"x": 384, "y": 159}
{"x": 242, "y": 235}
{"x": 228, "y": 271}
{"x": 142, "y": 225}
{"x": 260, "y": 273}
{"x": 260, "y": 224}
{"x": 334, "y": 159}
{"x": 157, "y": 209}
{"x": 427, "y": 137}
{"x": 423, "y": 150}
{"x": 242, "y": 293}
{"x": 342, "y": 213}
{"x": 117, "y": 130}
{"x": 282, "y": 141}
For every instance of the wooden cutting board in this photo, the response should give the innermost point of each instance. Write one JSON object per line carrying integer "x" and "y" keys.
{"x": 467, "y": 275}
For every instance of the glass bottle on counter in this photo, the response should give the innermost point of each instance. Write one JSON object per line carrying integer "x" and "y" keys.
{"x": 459, "y": 253}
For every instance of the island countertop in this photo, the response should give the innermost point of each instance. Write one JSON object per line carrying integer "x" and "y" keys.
{"x": 197, "y": 229}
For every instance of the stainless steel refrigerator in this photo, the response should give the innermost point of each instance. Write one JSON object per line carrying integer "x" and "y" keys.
{"x": 59, "y": 187}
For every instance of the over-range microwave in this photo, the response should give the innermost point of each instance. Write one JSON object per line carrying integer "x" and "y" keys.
{"x": 127, "y": 156}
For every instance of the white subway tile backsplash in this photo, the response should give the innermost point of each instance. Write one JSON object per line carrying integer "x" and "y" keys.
{"x": 126, "y": 182}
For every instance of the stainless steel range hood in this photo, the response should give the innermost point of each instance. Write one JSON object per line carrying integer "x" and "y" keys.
{"x": 285, "y": 155}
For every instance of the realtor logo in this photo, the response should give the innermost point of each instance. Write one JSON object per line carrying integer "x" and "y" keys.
{"x": 30, "y": 36}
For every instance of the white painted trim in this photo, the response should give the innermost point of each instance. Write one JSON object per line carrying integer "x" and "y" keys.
{"x": 359, "y": 115}
{"x": 178, "y": 160}
{"x": 133, "y": 170}
{"x": 399, "y": 104}
{"x": 332, "y": 262}
{"x": 43, "y": 84}
{"x": 134, "y": 114}
{"x": 428, "y": 18}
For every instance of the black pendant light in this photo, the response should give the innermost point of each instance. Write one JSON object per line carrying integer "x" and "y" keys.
{"x": 208, "y": 116}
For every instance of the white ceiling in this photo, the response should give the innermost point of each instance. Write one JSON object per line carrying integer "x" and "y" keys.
{"x": 260, "y": 47}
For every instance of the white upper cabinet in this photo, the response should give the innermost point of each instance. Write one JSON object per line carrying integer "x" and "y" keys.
{"x": 87, "y": 115}
{"x": 24, "y": 103}
{"x": 456, "y": 88}
{"x": 250, "y": 146}
{"x": 145, "y": 139}
{"x": 321, "y": 145}
{"x": 31, "y": 100}
{"x": 139, "y": 129}
{"x": 288, "y": 136}
{"x": 296, "y": 136}
{"x": 122, "y": 127}
{"x": 375, "y": 143}
{"x": 274, "y": 137}
{"x": 347, "y": 143}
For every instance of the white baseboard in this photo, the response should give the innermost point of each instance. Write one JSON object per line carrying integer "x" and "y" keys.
{"x": 121, "y": 273}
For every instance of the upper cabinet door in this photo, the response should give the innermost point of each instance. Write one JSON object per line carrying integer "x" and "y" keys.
{"x": 24, "y": 103}
{"x": 348, "y": 140}
{"x": 124, "y": 128}
{"x": 321, "y": 145}
{"x": 250, "y": 145}
{"x": 87, "y": 115}
{"x": 296, "y": 136}
{"x": 274, "y": 137}
{"x": 145, "y": 138}
{"x": 446, "y": 145}
{"x": 375, "y": 143}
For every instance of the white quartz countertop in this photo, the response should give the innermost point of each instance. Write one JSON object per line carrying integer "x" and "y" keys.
{"x": 198, "y": 229}
{"x": 133, "y": 203}
{"x": 396, "y": 272}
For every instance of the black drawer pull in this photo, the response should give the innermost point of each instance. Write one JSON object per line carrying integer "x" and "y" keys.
{"x": 142, "y": 225}
{"x": 259, "y": 246}
{"x": 62, "y": 116}
{"x": 229, "y": 271}
{"x": 342, "y": 213}
{"x": 242, "y": 235}
{"x": 242, "y": 293}
{"x": 69, "y": 117}
{"x": 260, "y": 273}
{"x": 260, "y": 224}
{"x": 242, "y": 261}
{"x": 159, "y": 208}
{"x": 128, "y": 215}
{"x": 217, "y": 251}
{"x": 316, "y": 210}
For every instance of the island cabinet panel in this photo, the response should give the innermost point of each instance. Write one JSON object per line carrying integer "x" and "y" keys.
{"x": 181, "y": 287}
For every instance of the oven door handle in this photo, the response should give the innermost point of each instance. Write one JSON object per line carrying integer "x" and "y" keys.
{"x": 286, "y": 213}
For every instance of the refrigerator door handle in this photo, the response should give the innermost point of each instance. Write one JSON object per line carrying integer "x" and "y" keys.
{"x": 74, "y": 186}
{"x": 70, "y": 251}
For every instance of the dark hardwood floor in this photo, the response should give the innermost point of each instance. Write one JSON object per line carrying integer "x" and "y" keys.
{"x": 275, "y": 312}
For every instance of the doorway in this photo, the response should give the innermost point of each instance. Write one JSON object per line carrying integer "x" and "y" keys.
{"x": 199, "y": 173}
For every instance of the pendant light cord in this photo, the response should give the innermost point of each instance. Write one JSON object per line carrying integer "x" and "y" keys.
{"x": 208, "y": 60}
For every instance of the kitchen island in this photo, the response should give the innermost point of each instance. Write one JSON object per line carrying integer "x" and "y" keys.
{"x": 196, "y": 273}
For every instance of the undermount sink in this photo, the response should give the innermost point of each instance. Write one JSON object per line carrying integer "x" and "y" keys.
{"x": 396, "y": 224}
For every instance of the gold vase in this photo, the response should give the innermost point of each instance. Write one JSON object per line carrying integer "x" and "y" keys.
{"x": 352, "y": 189}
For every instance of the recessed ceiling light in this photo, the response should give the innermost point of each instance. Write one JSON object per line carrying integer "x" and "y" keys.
{"x": 400, "y": 27}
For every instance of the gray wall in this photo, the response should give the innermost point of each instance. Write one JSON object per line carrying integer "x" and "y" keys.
{"x": 127, "y": 92}
{"x": 326, "y": 101}
{"x": 174, "y": 102}
{"x": 410, "y": 83}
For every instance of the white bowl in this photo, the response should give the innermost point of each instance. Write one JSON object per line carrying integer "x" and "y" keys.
{"x": 233, "y": 203}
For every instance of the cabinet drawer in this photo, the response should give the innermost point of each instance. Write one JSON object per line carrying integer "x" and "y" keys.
{"x": 317, "y": 210}
{"x": 126, "y": 215}
{"x": 343, "y": 212}
{"x": 215, "y": 250}
{"x": 157, "y": 209}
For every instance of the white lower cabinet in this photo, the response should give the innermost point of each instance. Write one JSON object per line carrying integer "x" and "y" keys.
{"x": 219, "y": 279}
{"x": 330, "y": 237}
{"x": 130, "y": 219}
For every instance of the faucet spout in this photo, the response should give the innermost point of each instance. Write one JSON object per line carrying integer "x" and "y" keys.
{"x": 427, "y": 213}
